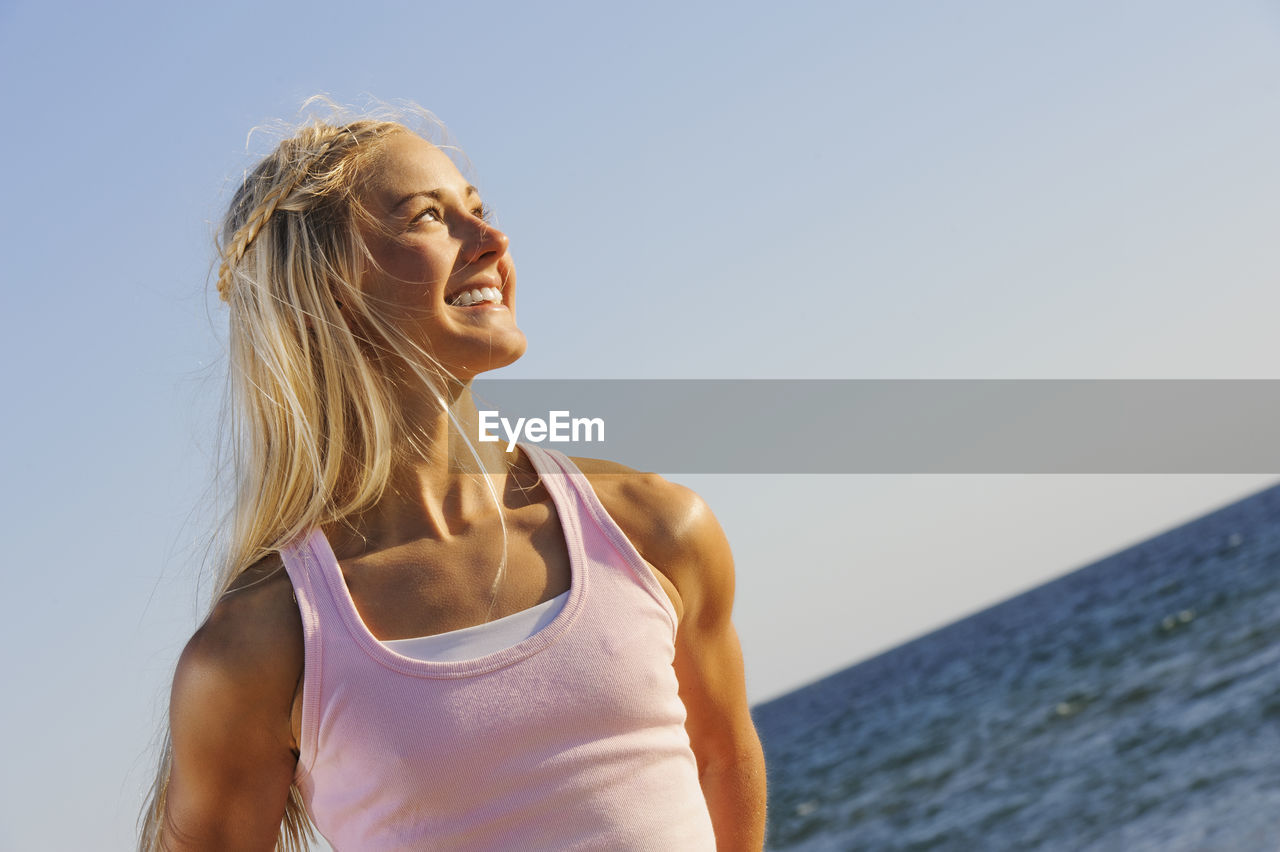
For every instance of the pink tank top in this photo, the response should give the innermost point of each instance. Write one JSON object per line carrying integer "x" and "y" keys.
{"x": 572, "y": 739}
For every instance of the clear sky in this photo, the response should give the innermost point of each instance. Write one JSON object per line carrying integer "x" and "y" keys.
{"x": 1070, "y": 189}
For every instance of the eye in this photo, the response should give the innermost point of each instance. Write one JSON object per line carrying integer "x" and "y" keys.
{"x": 431, "y": 214}
{"x": 483, "y": 211}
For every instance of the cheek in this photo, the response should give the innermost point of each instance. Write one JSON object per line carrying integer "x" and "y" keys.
{"x": 376, "y": 285}
{"x": 405, "y": 275}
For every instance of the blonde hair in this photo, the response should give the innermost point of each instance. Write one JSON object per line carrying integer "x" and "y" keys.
{"x": 312, "y": 429}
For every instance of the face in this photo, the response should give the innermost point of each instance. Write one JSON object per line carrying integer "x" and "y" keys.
{"x": 441, "y": 271}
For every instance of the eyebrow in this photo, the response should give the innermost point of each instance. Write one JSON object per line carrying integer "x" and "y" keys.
{"x": 431, "y": 193}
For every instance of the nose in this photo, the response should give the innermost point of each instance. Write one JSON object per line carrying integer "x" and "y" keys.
{"x": 485, "y": 241}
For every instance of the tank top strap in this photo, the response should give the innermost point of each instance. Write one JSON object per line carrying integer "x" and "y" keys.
{"x": 304, "y": 562}
{"x": 572, "y": 487}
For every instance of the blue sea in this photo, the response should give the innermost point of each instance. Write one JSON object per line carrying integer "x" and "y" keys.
{"x": 1131, "y": 705}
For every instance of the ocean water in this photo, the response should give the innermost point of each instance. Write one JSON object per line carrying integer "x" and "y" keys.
{"x": 1131, "y": 705}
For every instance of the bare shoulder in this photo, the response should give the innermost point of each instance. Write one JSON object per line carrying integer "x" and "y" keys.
{"x": 649, "y": 508}
{"x": 253, "y": 630}
{"x": 671, "y": 526}
{"x": 245, "y": 661}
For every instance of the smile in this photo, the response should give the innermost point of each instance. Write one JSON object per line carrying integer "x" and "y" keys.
{"x": 479, "y": 296}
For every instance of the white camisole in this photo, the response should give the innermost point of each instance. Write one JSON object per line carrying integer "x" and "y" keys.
{"x": 482, "y": 639}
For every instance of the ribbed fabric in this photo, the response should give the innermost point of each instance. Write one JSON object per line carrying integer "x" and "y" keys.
{"x": 572, "y": 739}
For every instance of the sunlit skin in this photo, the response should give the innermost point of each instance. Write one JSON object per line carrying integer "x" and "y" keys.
{"x": 430, "y": 240}
{"x": 409, "y": 560}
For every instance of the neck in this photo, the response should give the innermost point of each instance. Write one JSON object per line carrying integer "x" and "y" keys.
{"x": 436, "y": 487}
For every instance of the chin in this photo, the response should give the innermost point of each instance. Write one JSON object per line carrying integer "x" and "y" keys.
{"x": 498, "y": 357}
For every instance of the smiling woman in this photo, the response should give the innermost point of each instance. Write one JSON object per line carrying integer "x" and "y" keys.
{"x": 438, "y": 268}
{"x": 406, "y": 649}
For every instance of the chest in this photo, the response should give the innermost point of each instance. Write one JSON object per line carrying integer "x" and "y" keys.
{"x": 433, "y": 585}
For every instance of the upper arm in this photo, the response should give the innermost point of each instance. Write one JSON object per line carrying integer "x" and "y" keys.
{"x": 229, "y": 716}
{"x": 708, "y": 661}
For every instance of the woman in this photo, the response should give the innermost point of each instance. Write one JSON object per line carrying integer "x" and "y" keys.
{"x": 419, "y": 656}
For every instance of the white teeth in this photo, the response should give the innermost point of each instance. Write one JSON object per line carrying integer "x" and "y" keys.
{"x": 468, "y": 298}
